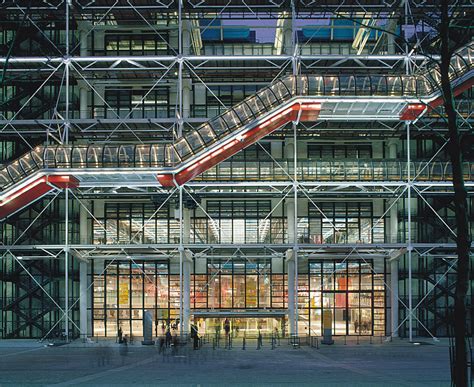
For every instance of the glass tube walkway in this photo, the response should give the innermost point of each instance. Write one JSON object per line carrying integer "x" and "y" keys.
{"x": 292, "y": 98}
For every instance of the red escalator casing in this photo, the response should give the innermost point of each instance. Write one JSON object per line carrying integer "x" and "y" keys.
{"x": 308, "y": 112}
{"x": 24, "y": 196}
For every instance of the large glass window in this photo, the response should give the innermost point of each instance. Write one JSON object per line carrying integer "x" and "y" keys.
{"x": 239, "y": 221}
{"x": 339, "y": 151}
{"x": 136, "y": 223}
{"x": 229, "y": 95}
{"x": 133, "y": 103}
{"x": 343, "y": 222}
{"x": 137, "y": 44}
{"x": 124, "y": 290}
{"x": 351, "y": 292}
{"x": 238, "y": 285}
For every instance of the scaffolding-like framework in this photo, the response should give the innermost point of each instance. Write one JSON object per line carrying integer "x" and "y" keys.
{"x": 76, "y": 62}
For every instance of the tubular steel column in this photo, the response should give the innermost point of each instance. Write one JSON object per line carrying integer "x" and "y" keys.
{"x": 295, "y": 225}
{"x": 66, "y": 196}
{"x": 409, "y": 182}
{"x": 393, "y": 238}
{"x": 66, "y": 263}
{"x": 84, "y": 239}
{"x": 180, "y": 70}
{"x": 181, "y": 259}
{"x": 187, "y": 263}
{"x": 290, "y": 263}
{"x": 83, "y": 323}
{"x": 409, "y": 241}
{"x": 394, "y": 296}
{"x": 295, "y": 168}
{"x": 180, "y": 133}
{"x": 394, "y": 272}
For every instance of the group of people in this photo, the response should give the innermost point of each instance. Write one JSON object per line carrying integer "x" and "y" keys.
{"x": 362, "y": 326}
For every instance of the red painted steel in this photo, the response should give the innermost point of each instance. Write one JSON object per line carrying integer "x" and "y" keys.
{"x": 413, "y": 111}
{"x": 309, "y": 111}
{"x": 33, "y": 191}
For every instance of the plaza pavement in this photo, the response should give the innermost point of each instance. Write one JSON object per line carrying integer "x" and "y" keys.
{"x": 396, "y": 363}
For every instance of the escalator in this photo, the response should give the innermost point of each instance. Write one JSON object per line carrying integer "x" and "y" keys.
{"x": 292, "y": 98}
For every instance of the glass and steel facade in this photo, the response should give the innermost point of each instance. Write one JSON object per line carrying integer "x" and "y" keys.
{"x": 331, "y": 212}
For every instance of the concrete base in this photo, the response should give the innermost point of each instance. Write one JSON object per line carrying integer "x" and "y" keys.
{"x": 327, "y": 337}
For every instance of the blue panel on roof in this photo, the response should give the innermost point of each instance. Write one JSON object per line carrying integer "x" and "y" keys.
{"x": 317, "y": 32}
{"x": 210, "y": 33}
{"x": 344, "y": 33}
{"x": 236, "y": 33}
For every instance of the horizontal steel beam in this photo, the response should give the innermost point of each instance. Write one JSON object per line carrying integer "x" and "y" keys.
{"x": 207, "y": 58}
{"x": 259, "y": 246}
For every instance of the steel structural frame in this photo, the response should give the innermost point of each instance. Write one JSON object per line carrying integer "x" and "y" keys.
{"x": 299, "y": 188}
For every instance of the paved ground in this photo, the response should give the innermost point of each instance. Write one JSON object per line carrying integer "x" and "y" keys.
{"x": 379, "y": 364}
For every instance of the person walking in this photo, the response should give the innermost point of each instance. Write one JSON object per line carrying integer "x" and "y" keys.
{"x": 227, "y": 332}
{"x": 162, "y": 344}
{"x": 175, "y": 344}
{"x": 120, "y": 335}
{"x": 195, "y": 336}
{"x": 101, "y": 355}
{"x": 124, "y": 349}
{"x": 168, "y": 338}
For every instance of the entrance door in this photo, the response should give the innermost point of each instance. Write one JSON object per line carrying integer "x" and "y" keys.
{"x": 240, "y": 326}
{"x": 352, "y": 291}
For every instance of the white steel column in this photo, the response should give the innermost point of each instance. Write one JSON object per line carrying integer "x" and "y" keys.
{"x": 290, "y": 219}
{"x": 393, "y": 214}
{"x": 409, "y": 241}
{"x": 83, "y": 27}
{"x": 66, "y": 264}
{"x": 66, "y": 196}
{"x": 186, "y": 38}
{"x": 290, "y": 264}
{"x": 83, "y": 102}
{"x": 186, "y": 98}
{"x": 83, "y": 324}
{"x": 394, "y": 296}
{"x": 181, "y": 260}
{"x": 295, "y": 69}
{"x": 83, "y": 267}
{"x": 409, "y": 184}
{"x": 187, "y": 267}
{"x": 186, "y": 225}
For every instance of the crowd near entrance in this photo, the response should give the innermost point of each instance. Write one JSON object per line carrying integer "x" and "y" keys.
{"x": 242, "y": 326}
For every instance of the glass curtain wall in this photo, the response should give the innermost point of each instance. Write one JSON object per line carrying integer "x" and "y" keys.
{"x": 126, "y": 289}
{"x": 349, "y": 290}
{"x": 135, "y": 223}
{"x": 238, "y": 221}
{"x": 238, "y": 285}
{"x": 342, "y": 222}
